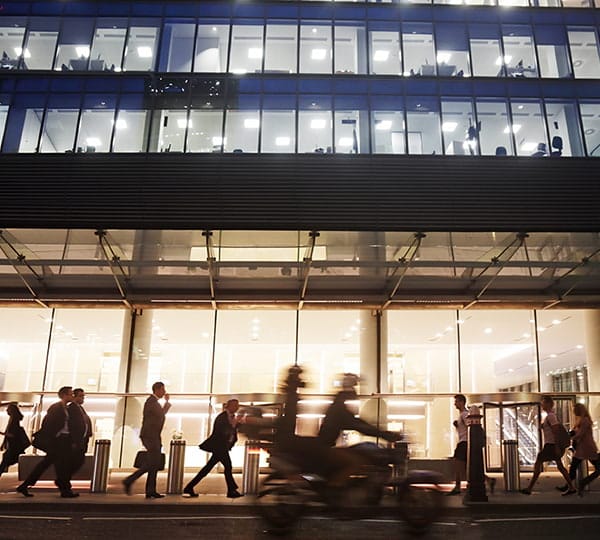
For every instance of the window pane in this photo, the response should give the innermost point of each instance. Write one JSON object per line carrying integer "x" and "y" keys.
{"x": 552, "y": 51}
{"x": 24, "y": 123}
{"x": 278, "y": 131}
{"x": 3, "y": 117}
{"x": 241, "y": 131}
{"x": 141, "y": 45}
{"x": 177, "y": 46}
{"x": 419, "y": 53}
{"x": 131, "y": 131}
{"x": 495, "y": 133}
{"x": 12, "y": 33}
{"x": 529, "y": 129}
{"x": 211, "y": 47}
{"x": 348, "y": 133}
{"x": 252, "y": 350}
{"x": 565, "y": 135}
{"x": 107, "y": 48}
{"x": 497, "y": 350}
{"x": 24, "y": 335}
{"x": 388, "y": 132}
{"x": 459, "y": 128}
{"x": 590, "y": 117}
{"x": 205, "y": 134}
{"x": 315, "y": 48}
{"x": 58, "y": 134}
{"x": 385, "y": 52}
{"x": 73, "y": 51}
{"x": 281, "y": 47}
{"x": 169, "y": 130}
{"x": 350, "y": 48}
{"x": 583, "y": 43}
{"x": 315, "y": 131}
{"x": 42, "y": 36}
{"x": 96, "y": 125}
{"x": 485, "y": 50}
{"x": 452, "y": 50}
{"x": 246, "y": 48}
{"x": 423, "y": 125}
{"x": 519, "y": 58}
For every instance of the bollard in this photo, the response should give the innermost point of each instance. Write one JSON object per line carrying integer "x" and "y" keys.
{"x": 510, "y": 465}
{"x": 251, "y": 468}
{"x": 475, "y": 469}
{"x": 582, "y": 472}
{"x": 400, "y": 466}
{"x": 100, "y": 472}
{"x": 176, "y": 461}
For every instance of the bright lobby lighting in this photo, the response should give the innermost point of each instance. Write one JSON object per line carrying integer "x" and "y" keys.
{"x": 383, "y": 125}
{"x": 449, "y": 127}
{"x": 282, "y": 141}
{"x": 318, "y": 54}
{"x": 317, "y": 123}
{"x": 144, "y": 51}
{"x": 251, "y": 123}
{"x": 381, "y": 56}
{"x": 255, "y": 53}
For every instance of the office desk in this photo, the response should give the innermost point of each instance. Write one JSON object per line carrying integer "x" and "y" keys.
{"x": 78, "y": 64}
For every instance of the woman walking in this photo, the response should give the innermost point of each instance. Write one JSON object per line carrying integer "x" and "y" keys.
{"x": 15, "y": 439}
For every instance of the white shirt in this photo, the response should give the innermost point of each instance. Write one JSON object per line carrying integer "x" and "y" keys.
{"x": 547, "y": 424}
{"x": 461, "y": 426}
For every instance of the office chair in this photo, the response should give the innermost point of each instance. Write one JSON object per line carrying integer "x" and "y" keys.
{"x": 557, "y": 145}
{"x": 501, "y": 151}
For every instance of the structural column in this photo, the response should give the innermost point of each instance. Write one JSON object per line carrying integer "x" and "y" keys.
{"x": 592, "y": 350}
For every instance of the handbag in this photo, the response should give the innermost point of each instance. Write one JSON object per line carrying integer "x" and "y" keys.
{"x": 41, "y": 441}
{"x": 141, "y": 458}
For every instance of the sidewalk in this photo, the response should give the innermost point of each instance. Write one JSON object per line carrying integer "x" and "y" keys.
{"x": 544, "y": 500}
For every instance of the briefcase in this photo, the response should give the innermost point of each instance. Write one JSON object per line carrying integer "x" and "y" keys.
{"x": 141, "y": 459}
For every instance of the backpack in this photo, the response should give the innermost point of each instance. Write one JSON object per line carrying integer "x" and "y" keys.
{"x": 563, "y": 439}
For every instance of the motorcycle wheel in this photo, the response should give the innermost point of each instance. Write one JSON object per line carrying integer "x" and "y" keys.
{"x": 420, "y": 506}
{"x": 279, "y": 503}
{"x": 357, "y": 499}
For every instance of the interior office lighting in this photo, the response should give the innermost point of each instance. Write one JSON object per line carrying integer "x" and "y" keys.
{"x": 317, "y": 123}
{"x": 345, "y": 141}
{"x": 239, "y": 71}
{"x": 318, "y": 54}
{"x": 82, "y": 50}
{"x": 251, "y": 123}
{"x": 93, "y": 141}
{"x": 515, "y": 128}
{"x": 255, "y": 52}
{"x": 183, "y": 123}
{"x": 383, "y": 125}
{"x": 144, "y": 51}
{"x": 121, "y": 123}
{"x": 282, "y": 141}
{"x": 217, "y": 141}
{"x": 487, "y": 331}
{"x": 381, "y": 55}
{"x": 507, "y": 59}
{"x": 25, "y": 53}
{"x": 443, "y": 57}
{"x": 449, "y": 127}
{"x": 528, "y": 147}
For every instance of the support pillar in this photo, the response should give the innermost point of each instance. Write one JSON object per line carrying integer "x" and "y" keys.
{"x": 592, "y": 352}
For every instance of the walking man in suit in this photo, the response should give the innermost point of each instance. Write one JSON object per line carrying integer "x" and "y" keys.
{"x": 55, "y": 428}
{"x": 80, "y": 427}
{"x": 220, "y": 442}
{"x": 153, "y": 420}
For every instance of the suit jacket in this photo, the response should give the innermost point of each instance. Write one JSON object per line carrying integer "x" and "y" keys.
{"x": 223, "y": 435}
{"x": 80, "y": 425}
{"x": 153, "y": 418}
{"x": 55, "y": 418}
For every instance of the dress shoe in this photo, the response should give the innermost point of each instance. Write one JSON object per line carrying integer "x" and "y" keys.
{"x": 69, "y": 495}
{"x": 127, "y": 487}
{"x": 190, "y": 492}
{"x": 24, "y": 491}
{"x": 234, "y": 494}
{"x": 569, "y": 492}
{"x": 154, "y": 495}
{"x": 562, "y": 488}
{"x": 455, "y": 491}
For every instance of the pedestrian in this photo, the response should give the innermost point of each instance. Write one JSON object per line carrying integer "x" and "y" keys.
{"x": 550, "y": 451}
{"x": 58, "y": 447}
{"x": 460, "y": 452}
{"x": 80, "y": 427}
{"x": 220, "y": 442}
{"x": 153, "y": 420}
{"x": 585, "y": 448}
{"x": 15, "y": 439}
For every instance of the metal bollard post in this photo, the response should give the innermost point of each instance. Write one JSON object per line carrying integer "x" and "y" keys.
{"x": 100, "y": 472}
{"x": 251, "y": 468}
{"x": 510, "y": 465}
{"x": 176, "y": 462}
{"x": 400, "y": 466}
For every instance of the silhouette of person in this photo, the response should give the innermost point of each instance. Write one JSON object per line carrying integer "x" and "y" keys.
{"x": 15, "y": 439}
{"x": 80, "y": 427}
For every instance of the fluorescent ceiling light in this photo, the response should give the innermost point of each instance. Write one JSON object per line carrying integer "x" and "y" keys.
{"x": 317, "y": 123}
{"x": 19, "y": 51}
{"x": 93, "y": 141}
{"x": 528, "y": 146}
{"x": 443, "y": 57}
{"x": 345, "y": 141}
{"x": 507, "y": 59}
{"x": 381, "y": 56}
{"x": 383, "y": 125}
{"x": 282, "y": 141}
{"x": 449, "y": 127}
{"x": 255, "y": 52}
{"x": 318, "y": 54}
{"x": 82, "y": 50}
{"x": 515, "y": 128}
{"x": 121, "y": 123}
{"x": 217, "y": 141}
{"x": 251, "y": 123}
{"x": 144, "y": 51}
{"x": 183, "y": 123}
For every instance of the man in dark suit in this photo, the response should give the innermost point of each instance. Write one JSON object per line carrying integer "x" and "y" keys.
{"x": 55, "y": 428}
{"x": 80, "y": 427}
{"x": 220, "y": 442}
{"x": 153, "y": 420}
